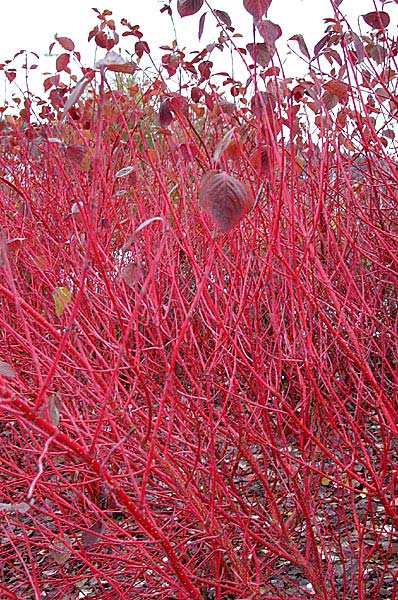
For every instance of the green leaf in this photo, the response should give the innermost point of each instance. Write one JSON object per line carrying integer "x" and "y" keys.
{"x": 62, "y": 297}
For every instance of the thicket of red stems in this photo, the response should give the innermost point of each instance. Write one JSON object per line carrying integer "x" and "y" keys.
{"x": 186, "y": 414}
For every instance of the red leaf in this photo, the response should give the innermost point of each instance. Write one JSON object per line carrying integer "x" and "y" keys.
{"x": 263, "y": 101}
{"x": 269, "y": 31}
{"x": 188, "y": 151}
{"x": 141, "y": 47}
{"x": 338, "y": 88}
{"x": 330, "y": 100}
{"x": 165, "y": 114}
{"x": 228, "y": 108}
{"x": 196, "y": 94}
{"x": 389, "y": 133}
{"x": 271, "y": 72}
{"x": 377, "y": 19}
{"x": 261, "y": 53}
{"x": 302, "y": 45}
{"x": 50, "y": 82}
{"x": 103, "y": 41}
{"x": 377, "y": 53}
{"x": 359, "y": 47}
{"x": 114, "y": 62}
{"x": 322, "y": 42}
{"x": 128, "y": 67}
{"x": 257, "y": 8}
{"x": 57, "y": 98}
{"x": 201, "y": 24}
{"x": 189, "y": 7}
{"x": 259, "y": 159}
{"x": 11, "y": 75}
{"x": 66, "y": 43}
{"x": 170, "y": 63}
{"x": 76, "y": 153}
{"x": 225, "y": 199}
{"x": 224, "y": 17}
{"x": 92, "y": 33}
{"x": 209, "y": 101}
{"x": 179, "y": 104}
{"x": 205, "y": 69}
{"x": 62, "y": 62}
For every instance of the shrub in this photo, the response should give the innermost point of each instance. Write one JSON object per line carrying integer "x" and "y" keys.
{"x": 199, "y": 399}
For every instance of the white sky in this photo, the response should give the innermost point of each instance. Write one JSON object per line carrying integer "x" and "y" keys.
{"x": 31, "y": 25}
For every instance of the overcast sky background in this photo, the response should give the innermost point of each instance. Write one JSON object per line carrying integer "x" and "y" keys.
{"x": 31, "y": 25}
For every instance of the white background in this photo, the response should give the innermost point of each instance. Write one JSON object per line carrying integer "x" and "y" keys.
{"x": 31, "y": 25}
